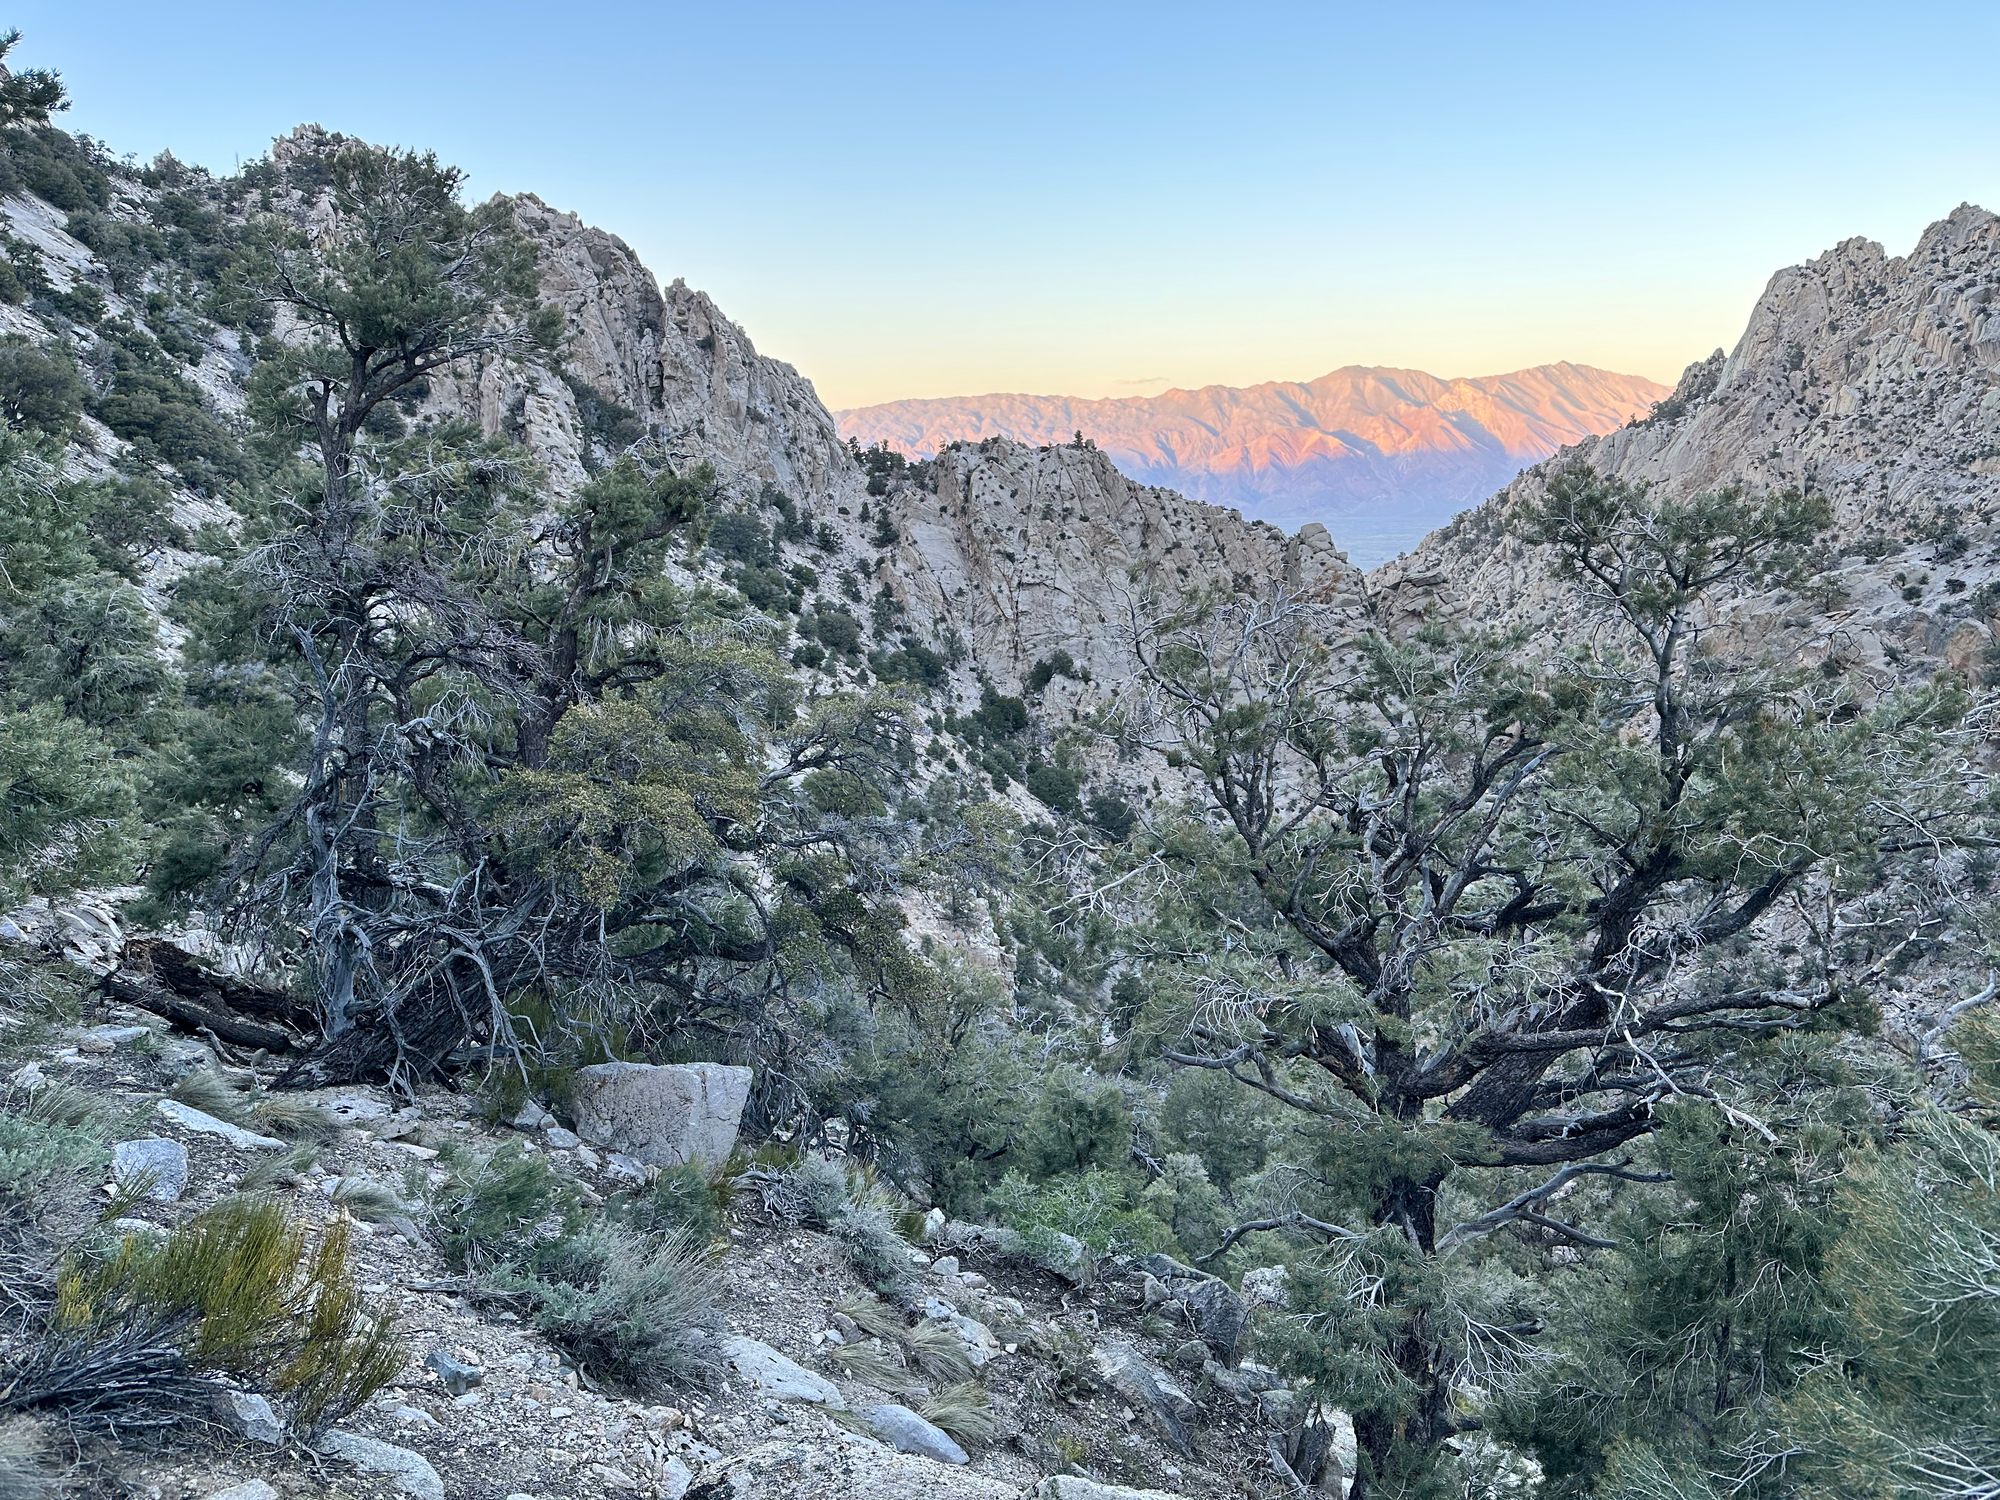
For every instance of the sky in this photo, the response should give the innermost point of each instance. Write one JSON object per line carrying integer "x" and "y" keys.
{"x": 1108, "y": 199}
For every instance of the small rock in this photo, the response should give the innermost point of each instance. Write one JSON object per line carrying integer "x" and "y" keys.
{"x": 458, "y": 1376}
{"x": 588, "y": 1159}
{"x": 945, "y": 1265}
{"x": 28, "y": 1076}
{"x": 934, "y": 1222}
{"x": 250, "y": 1416}
{"x": 405, "y": 1415}
{"x": 614, "y": 1478}
{"x": 409, "y": 1472}
{"x": 624, "y": 1164}
{"x": 530, "y": 1116}
{"x": 560, "y": 1139}
{"x": 110, "y": 1038}
{"x": 189, "y": 1118}
{"x": 153, "y": 1166}
{"x": 906, "y": 1432}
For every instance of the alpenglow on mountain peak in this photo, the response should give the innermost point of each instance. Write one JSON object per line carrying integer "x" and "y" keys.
{"x": 1379, "y": 455}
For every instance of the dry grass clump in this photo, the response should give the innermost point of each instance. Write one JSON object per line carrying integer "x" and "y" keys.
{"x": 938, "y": 1351}
{"x": 964, "y": 1410}
{"x": 871, "y": 1364}
{"x": 874, "y": 1317}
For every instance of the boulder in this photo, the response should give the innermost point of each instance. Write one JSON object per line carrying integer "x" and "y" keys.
{"x": 666, "y": 1115}
{"x": 153, "y": 1166}
{"x": 1145, "y": 1386}
{"x": 906, "y": 1432}
{"x": 1214, "y": 1309}
{"x": 1267, "y": 1286}
{"x": 409, "y": 1472}
{"x": 776, "y": 1376}
{"x": 841, "y": 1469}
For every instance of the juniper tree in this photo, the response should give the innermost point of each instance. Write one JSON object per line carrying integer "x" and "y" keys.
{"x": 1475, "y": 914}
{"x": 385, "y": 278}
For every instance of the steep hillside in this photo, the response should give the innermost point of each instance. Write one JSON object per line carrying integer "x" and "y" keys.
{"x": 999, "y": 553}
{"x": 1379, "y": 456}
{"x": 1871, "y": 379}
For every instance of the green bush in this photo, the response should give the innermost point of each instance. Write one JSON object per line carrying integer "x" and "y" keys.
{"x": 639, "y": 1309}
{"x": 1054, "y": 786}
{"x": 39, "y": 388}
{"x": 681, "y": 1200}
{"x": 493, "y": 1209}
{"x": 53, "y": 1140}
{"x": 1096, "y": 1207}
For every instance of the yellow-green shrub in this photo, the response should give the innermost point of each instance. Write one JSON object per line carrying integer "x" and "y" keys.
{"x": 243, "y": 1291}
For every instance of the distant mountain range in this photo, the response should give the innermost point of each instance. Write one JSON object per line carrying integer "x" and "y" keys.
{"x": 1379, "y": 456}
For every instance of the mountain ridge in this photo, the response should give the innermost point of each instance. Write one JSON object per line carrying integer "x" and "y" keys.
{"x": 1380, "y": 454}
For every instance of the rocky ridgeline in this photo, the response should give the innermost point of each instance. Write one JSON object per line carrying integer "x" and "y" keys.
{"x": 1870, "y": 379}
{"x": 1024, "y": 551}
{"x": 1014, "y": 550}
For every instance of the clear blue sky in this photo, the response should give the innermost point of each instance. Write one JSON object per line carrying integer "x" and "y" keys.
{"x": 1100, "y": 199}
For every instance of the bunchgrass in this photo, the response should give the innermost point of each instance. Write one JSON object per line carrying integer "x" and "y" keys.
{"x": 964, "y": 1410}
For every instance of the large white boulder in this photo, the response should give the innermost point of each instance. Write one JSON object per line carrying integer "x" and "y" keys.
{"x": 665, "y": 1114}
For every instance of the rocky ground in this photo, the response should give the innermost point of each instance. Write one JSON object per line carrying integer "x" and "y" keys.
{"x": 1122, "y": 1374}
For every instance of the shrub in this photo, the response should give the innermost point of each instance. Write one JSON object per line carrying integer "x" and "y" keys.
{"x": 681, "y": 1200}
{"x": 837, "y": 630}
{"x": 879, "y": 1255}
{"x": 1048, "y": 668}
{"x": 238, "y": 1290}
{"x": 1094, "y": 1207}
{"x": 1054, "y": 786}
{"x": 820, "y": 1192}
{"x": 39, "y": 389}
{"x": 873, "y": 1317}
{"x": 640, "y": 1309}
{"x": 488, "y": 1206}
{"x": 52, "y": 1139}
{"x": 872, "y": 1364}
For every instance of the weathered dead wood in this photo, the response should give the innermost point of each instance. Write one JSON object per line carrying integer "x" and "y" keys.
{"x": 171, "y": 983}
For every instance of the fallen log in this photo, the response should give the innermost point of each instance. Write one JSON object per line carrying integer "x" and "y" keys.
{"x": 168, "y": 982}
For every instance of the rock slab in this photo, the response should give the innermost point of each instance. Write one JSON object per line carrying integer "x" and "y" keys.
{"x": 664, "y": 1114}
{"x": 778, "y": 1377}
{"x": 154, "y": 1166}
{"x": 411, "y": 1473}
{"x": 841, "y": 1470}
{"x": 907, "y": 1432}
